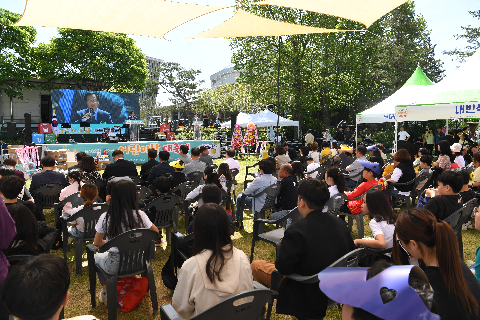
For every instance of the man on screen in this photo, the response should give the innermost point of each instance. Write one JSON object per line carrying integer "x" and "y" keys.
{"x": 92, "y": 114}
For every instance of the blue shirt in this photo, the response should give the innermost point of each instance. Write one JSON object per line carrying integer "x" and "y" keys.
{"x": 439, "y": 136}
{"x": 258, "y": 185}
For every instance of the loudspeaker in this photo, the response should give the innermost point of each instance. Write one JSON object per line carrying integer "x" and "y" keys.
{"x": 12, "y": 129}
{"x": 28, "y": 128}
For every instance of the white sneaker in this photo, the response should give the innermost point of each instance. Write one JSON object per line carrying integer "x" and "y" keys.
{"x": 464, "y": 227}
{"x": 103, "y": 297}
{"x": 469, "y": 225}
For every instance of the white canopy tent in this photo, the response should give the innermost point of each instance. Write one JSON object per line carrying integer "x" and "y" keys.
{"x": 410, "y": 92}
{"x": 456, "y": 96}
{"x": 264, "y": 118}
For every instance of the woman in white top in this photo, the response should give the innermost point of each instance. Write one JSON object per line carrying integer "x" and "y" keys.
{"x": 122, "y": 215}
{"x": 336, "y": 181}
{"x": 216, "y": 271}
{"x": 334, "y": 148}
{"x": 88, "y": 193}
{"x": 382, "y": 220}
{"x": 211, "y": 177}
{"x": 457, "y": 150}
{"x": 315, "y": 154}
{"x": 281, "y": 157}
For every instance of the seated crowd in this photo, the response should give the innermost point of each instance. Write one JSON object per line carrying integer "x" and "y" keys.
{"x": 414, "y": 249}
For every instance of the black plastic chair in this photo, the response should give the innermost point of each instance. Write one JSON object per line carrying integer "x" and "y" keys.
{"x": 320, "y": 172}
{"x": 102, "y": 188}
{"x": 408, "y": 199}
{"x": 196, "y": 177}
{"x": 234, "y": 172}
{"x": 349, "y": 176}
{"x": 335, "y": 202}
{"x": 349, "y": 260}
{"x": 74, "y": 199}
{"x": 273, "y": 237}
{"x": 271, "y": 192}
{"x": 90, "y": 216}
{"x": 137, "y": 180}
{"x": 185, "y": 188}
{"x": 249, "y": 174}
{"x": 457, "y": 219}
{"x": 50, "y": 194}
{"x": 136, "y": 249}
{"x": 166, "y": 207}
{"x": 230, "y": 308}
{"x": 143, "y": 193}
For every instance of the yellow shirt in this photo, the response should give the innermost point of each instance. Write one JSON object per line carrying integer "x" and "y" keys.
{"x": 325, "y": 152}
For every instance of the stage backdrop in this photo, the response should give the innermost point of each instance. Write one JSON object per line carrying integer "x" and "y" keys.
{"x": 135, "y": 151}
{"x": 95, "y": 107}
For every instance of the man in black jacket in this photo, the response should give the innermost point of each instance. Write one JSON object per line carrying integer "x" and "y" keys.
{"x": 120, "y": 167}
{"x": 161, "y": 169}
{"x": 147, "y": 166}
{"x": 309, "y": 245}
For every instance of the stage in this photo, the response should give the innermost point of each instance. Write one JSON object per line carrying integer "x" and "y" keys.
{"x": 135, "y": 151}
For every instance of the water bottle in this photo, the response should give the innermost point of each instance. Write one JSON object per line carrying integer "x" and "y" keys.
{"x": 223, "y": 181}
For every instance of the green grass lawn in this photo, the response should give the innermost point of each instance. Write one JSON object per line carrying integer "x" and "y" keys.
{"x": 79, "y": 303}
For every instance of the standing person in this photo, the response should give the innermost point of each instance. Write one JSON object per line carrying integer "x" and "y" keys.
{"x": 216, "y": 271}
{"x": 340, "y": 137}
{"x": 133, "y": 127}
{"x": 184, "y": 156}
{"x": 204, "y": 156}
{"x": 309, "y": 138}
{"x": 120, "y": 167}
{"x": 122, "y": 215}
{"x": 205, "y": 121}
{"x": 327, "y": 136}
{"x": 438, "y": 137}
{"x": 147, "y": 166}
{"x": 348, "y": 136}
{"x": 429, "y": 140}
{"x": 308, "y": 246}
{"x": 402, "y": 137}
{"x": 422, "y": 236}
{"x": 450, "y": 138}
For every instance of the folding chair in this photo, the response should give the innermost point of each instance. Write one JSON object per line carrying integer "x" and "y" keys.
{"x": 196, "y": 177}
{"x": 136, "y": 249}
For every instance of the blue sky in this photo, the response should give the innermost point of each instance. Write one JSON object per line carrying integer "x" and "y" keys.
{"x": 444, "y": 19}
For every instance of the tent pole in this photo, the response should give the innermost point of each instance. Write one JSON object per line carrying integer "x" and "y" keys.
{"x": 396, "y": 136}
{"x": 446, "y": 127}
{"x": 356, "y": 134}
{"x": 278, "y": 89}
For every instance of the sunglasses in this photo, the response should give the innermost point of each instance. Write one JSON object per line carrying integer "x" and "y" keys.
{"x": 400, "y": 244}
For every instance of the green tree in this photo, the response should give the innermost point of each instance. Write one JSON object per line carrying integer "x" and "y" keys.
{"x": 15, "y": 54}
{"x": 334, "y": 74}
{"x": 227, "y": 98}
{"x": 94, "y": 60}
{"x": 181, "y": 83}
{"x": 472, "y": 35}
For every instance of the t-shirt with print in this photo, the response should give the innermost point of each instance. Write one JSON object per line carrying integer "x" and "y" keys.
{"x": 100, "y": 228}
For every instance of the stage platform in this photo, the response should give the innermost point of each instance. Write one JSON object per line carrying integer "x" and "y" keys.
{"x": 135, "y": 151}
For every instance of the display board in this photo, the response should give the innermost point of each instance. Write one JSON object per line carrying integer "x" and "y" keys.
{"x": 93, "y": 107}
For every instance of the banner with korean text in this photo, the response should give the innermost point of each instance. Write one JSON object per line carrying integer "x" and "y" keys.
{"x": 438, "y": 111}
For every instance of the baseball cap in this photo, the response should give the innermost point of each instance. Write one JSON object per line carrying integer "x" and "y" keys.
{"x": 178, "y": 164}
{"x": 372, "y": 148}
{"x": 374, "y": 166}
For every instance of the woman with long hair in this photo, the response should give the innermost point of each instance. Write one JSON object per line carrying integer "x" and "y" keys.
{"x": 446, "y": 157}
{"x": 33, "y": 237}
{"x": 216, "y": 271}
{"x": 122, "y": 215}
{"x": 382, "y": 220}
{"x": 421, "y": 236}
{"x": 89, "y": 168}
{"x": 336, "y": 181}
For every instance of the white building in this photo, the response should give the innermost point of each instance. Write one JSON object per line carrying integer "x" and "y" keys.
{"x": 153, "y": 63}
{"x": 225, "y": 76}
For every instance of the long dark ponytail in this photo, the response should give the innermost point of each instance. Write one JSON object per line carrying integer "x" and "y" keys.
{"x": 338, "y": 178}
